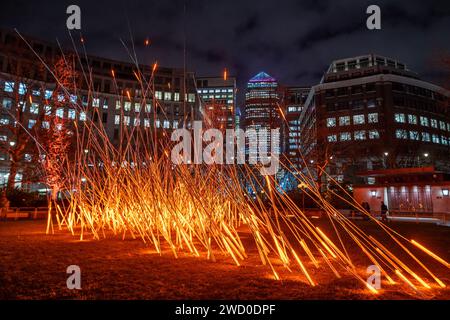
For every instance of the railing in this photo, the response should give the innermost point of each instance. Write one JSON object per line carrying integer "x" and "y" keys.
{"x": 441, "y": 218}
{"x": 23, "y": 213}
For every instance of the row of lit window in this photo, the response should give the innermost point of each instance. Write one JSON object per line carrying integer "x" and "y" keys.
{"x": 22, "y": 89}
{"x": 294, "y": 109}
{"x": 424, "y": 121}
{"x": 357, "y": 120}
{"x": 126, "y": 120}
{"x": 215, "y": 91}
{"x": 357, "y": 135}
{"x": 423, "y": 136}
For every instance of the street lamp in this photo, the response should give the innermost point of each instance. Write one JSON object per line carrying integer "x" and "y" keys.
{"x": 426, "y": 154}
{"x": 386, "y": 154}
{"x": 445, "y": 192}
{"x": 373, "y": 193}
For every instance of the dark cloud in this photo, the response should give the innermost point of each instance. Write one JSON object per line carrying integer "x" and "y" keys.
{"x": 293, "y": 40}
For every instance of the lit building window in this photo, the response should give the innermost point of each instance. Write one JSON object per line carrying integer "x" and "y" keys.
{"x": 71, "y": 114}
{"x": 426, "y": 137}
{"x": 118, "y": 105}
{"x": 345, "y": 136}
{"x": 45, "y": 125}
{"x": 9, "y": 86}
{"x": 158, "y": 95}
{"x": 147, "y": 123}
{"x": 73, "y": 98}
{"x": 400, "y": 118}
{"x": 48, "y": 94}
{"x": 96, "y": 102}
{"x": 435, "y": 138}
{"x": 158, "y": 123}
{"x": 7, "y": 103}
{"x": 401, "y": 134}
{"x": 414, "y": 135}
{"x": 148, "y": 107}
{"x": 176, "y": 96}
{"x": 166, "y": 124}
{"x": 424, "y": 121}
{"x": 167, "y": 96}
{"x": 105, "y": 104}
{"x": 3, "y": 138}
{"x": 374, "y": 134}
{"x": 175, "y": 124}
{"x": 34, "y": 108}
{"x": 412, "y": 119}
{"x": 360, "y": 135}
{"x": 332, "y": 138}
{"x": 4, "y": 121}
{"x": 47, "y": 110}
{"x": 442, "y": 125}
{"x": 331, "y": 122}
{"x": 36, "y": 93}
{"x": 127, "y": 106}
{"x": 191, "y": 97}
{"x": 137, "y": 122}
{"x": 22, "y": 88}
{"x": 60, "y": 113}
{"x": 344, "y": 121}
{"x": 117, "y": 119}
{"x": 359, "y": 119}
{"x": 31, "y": 123}
{"x": 27, "y": 157}
{"x": 126, "y": 120}
{"x": 137, "y": 107}
{"x": 82, "y": 116}
{"x": 372, "y": 117}
{"x": 444, "y": 140}
{"x": 434, "y": 123}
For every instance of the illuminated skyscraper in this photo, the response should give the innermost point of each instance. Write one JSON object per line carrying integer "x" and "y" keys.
{"x": 262, "y": 110}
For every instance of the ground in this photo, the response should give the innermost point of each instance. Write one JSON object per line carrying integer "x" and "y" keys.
{"x": 33, "y": 266}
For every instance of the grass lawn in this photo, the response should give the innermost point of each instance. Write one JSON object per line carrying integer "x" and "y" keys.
{"x": 33, "y": 266}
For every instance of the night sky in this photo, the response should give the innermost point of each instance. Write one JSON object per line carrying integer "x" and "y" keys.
{"x": 293, "y": 40}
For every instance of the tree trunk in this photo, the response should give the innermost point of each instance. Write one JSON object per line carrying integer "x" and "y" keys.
{"x": 12, "y": 175}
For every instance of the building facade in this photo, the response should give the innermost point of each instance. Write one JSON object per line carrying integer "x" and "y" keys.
{"x": 407, "y": 192}
{"x": 371, "y": 112}
{"x": 293, "y": 103}
{"x": 218, "y": 101}
{"x": 116, "y": 94}
{"x": 263, "y": 110}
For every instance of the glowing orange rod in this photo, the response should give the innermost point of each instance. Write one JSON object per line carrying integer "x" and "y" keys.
{"x": 147, "y": 42}
{"x": 282, "y": 113}
{"x": 368, "y": 285}
{"x": 435, "y": 256}
{"x": 329, "y": 263}
{"x": 128, "y": 95}
{"x": 334, "y": 246}
{"x": 113, "y": 73}
{"x": 309, "y": 253}
{"x": 405, "y": 279}
{"x": 407, "y": 269}
{"x": 225, "y": 75}
{"x": 155, "y": 65}
{"x": 303, "y": 268}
